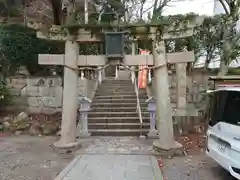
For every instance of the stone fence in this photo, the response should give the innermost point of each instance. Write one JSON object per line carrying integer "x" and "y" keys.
{"x": 43, "y": 95}
{"x": 197, "y": 83}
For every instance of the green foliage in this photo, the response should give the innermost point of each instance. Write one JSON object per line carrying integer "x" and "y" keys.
{"x": 216, "y": 39}
{"x": 207, "y": 38}
{"x": 178, "y": 19}
{"x": 20, "y": 46}
{"x": 7, "y": 9}
{"x": 4, "y": 93}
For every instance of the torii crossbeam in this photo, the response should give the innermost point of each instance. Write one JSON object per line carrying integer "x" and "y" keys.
{"x": 129, "y": 60}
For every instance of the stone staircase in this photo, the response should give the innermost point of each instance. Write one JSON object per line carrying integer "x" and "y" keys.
{"x": 114, "y": 111}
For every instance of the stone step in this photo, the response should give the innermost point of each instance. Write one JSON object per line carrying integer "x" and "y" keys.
{"x": 116, "y": 114}
{"x": 109, "y": 90}
{"x": 120, "y": 97}
{"x": 116, "y": 97}
{"x": 117, "y": 109}
{"x": 114, "y": 93}
{"x": 118, "y": 104}
{"x": 117, "y": 120}
{"x": 115, "y": 85}
{"x": 118, "y": 132}
{"x": 106, "y": 93}
{"x": 118, "y": 100}
{"x": 115, "y": 81}
{"x": 113, "y": 110}
{"x": 118, "y": 125}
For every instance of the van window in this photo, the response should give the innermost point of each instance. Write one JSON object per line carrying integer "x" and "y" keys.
{"x": 225, "y": 107}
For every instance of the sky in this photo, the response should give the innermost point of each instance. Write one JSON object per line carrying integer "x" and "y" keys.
{"x": 202, "y": 7}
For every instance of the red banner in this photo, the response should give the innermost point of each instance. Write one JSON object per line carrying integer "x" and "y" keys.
{"x": 142, "y": 74}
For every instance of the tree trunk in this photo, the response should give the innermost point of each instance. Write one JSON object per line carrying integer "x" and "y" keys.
{"x": 223, "y": 68}
{"x": 225, "y": 54}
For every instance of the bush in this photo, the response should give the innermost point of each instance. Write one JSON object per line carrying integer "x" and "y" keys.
{"x": 4, "y": 94}
{"x": 19, "y": 46}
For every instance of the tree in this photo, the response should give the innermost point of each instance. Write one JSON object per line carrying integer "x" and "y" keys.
{"x": 230, "y": 38}
{"x": 19, "y": 46}
{"x": 207, "y": 39}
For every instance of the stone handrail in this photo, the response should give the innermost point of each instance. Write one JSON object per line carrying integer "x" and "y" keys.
{"x": 138, "y": 102}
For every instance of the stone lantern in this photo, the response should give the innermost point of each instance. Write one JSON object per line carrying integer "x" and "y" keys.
{"x": 84, "y": 108}
{"x": 153, "y": 132}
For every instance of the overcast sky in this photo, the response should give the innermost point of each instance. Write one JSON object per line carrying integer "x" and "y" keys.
{"x": 196, "y": 6}
{"x": 202, "y": 7}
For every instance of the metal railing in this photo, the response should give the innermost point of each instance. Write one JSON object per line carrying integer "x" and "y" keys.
{"x": 138, "y": 104}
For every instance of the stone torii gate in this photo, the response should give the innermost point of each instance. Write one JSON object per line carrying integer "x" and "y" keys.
{"x": 71, "y": 60}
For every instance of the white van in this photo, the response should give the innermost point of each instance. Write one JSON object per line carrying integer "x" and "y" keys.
{"x": 223, "y": 134}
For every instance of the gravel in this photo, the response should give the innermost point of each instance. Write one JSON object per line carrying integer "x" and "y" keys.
{"x": 196, "y": 167}
{"x": 30, "y": 158}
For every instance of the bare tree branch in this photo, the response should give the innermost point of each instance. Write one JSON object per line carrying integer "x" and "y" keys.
{"x": 224, "y": 5}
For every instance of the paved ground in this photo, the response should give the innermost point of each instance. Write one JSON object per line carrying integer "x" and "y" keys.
{"x": 109, "y": 167}
{"x": 31, "y": 158}
{"x": 116, "y": 145}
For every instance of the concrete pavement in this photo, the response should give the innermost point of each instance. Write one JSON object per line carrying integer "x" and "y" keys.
{"x": 109, "y": 167}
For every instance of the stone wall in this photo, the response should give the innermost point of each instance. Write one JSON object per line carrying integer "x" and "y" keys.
{"x": 43, "y": 95}
{"x": 197, "y": 83}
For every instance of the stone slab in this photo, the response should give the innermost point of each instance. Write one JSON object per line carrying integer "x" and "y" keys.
{"x": 109, "y": 167}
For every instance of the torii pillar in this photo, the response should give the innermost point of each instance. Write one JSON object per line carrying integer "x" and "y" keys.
{"x": 163, "y": 102}
{"x": 164, "y": 112}
{"x": 69, "y": 107}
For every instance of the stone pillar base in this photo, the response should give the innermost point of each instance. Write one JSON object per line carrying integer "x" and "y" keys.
{"x": 84, "y": 135}
{"x": 153, "y": 134}
{"x": 142, "y": 137}
{"x": 176, "y": 149}
{"x": 63, "y": 148}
